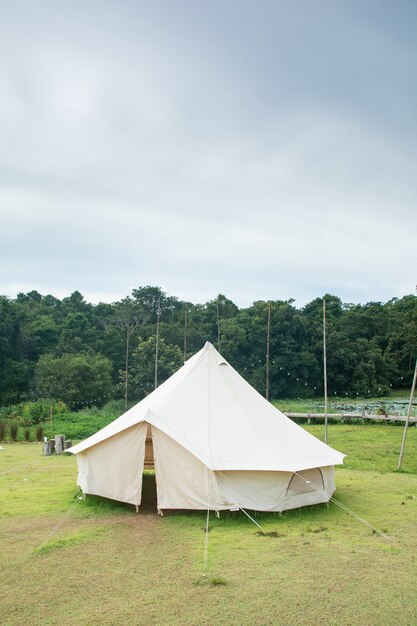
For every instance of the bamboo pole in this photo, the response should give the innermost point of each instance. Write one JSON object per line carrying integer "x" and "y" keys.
{"x": 410, "y": 404}
{"x": 325, "y": 372}
{"x": 268, "y": 334}
{"x": 158, "y": 314}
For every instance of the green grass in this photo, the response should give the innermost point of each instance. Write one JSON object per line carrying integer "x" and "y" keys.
{"x": 107, "y": 565}
{"x": 69, "y": 540}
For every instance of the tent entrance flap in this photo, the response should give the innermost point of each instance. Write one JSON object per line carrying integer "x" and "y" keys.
{"x": 113, "y": 468}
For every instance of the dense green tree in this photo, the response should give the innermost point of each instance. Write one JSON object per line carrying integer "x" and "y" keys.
{"x": 129, "y": 316}
{"x": 371, "y": 347}
{"x": 151, "y": 298}
{"x": 142, "y": 370}
{"x": 76, "y": 379}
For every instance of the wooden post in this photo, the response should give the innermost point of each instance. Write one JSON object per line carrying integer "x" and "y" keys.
{"x": 413, "y": 388}
{"x": 158, "y": 314}
{"x": 50, "y": 417}
{"x": 325, "y": 371}
{"x": 268, "y": 333}
{"x": 126, "y": 366}
{"x": 218, "y": 327}
{"x": 59, "y": 443}
{"x": 185, "y": 331}
{"x": 47, "y": 448}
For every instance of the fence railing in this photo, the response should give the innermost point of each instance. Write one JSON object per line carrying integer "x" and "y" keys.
{"x": 349, "y": 417}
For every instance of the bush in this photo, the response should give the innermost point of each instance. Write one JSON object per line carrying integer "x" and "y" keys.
{"x": 39, "y": 432}
{"x": 81, "y": 425}
{"x": 3, "y": 430}
{"x": 8, "y": 411}
{"x": 35, "y": 412}
{"x": 14, "y": 427}
{"x": 26, "y": 434}
{"x": 115, "y": 408}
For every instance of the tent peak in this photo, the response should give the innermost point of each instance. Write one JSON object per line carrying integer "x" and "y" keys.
{"x": 220, "y": 360}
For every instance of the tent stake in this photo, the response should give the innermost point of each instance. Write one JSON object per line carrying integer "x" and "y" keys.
{"x": 413, "y": 388}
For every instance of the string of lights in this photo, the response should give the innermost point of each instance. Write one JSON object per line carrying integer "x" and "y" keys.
{"x": 308, "y": 387}
{"x": 334, "y": 392}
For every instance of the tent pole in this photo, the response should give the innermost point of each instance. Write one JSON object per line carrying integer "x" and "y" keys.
{"x": 325, "y": 371}
{"x": 413, "y": 388}
{"x": 268, "y": 334}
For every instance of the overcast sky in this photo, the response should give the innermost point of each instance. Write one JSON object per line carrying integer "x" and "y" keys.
{"x": 262, "y": 149}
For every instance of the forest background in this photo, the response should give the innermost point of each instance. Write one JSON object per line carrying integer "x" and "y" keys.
{"x": 79, "y": 353}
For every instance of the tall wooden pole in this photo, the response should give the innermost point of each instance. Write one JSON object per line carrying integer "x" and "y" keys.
{"x": 268, "y": 334}
{"x": 185, "y": 331}
{"x": 410, "y": 404}
{"x": 126, "y": 365}
{"x": 325, "y": 371}
{"x": 218, "y": 327}
{"x": 158, "y": 314}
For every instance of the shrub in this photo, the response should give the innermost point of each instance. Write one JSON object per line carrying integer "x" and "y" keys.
{"x": 39, "y": 432}
{"x": 115, "y": 408}
{"x": 14, "y": 427}
{"x": 81, "y": 425}
{"x": 35, "y": 412}
{"x": 7, "y": 411}
{"x": 26, "y": 434}
{"x": 3, "y": 430}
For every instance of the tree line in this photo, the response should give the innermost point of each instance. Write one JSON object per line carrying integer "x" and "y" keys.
{"x": 85, "y": 354}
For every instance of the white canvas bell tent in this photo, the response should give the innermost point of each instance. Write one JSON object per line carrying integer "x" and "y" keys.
{"x": 217, "y": 443}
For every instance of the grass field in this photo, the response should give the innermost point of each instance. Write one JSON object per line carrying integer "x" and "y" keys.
{"x": 107, "y": 565}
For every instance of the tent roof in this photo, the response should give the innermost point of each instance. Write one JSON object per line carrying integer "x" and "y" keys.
{"x": 208, "y": 408}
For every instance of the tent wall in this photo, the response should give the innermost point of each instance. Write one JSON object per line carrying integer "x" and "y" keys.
{"x": 184, "y": 482}
{"x": 276, "y": 491}
{"x": 113, "y": 468}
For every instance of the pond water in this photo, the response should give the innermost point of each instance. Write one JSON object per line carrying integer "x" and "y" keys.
{"x": 391, "y": 407}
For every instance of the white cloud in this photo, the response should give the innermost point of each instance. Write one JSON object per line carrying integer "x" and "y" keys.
{"x": 138, "y": 147}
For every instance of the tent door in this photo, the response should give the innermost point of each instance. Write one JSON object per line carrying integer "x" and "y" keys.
{"x": 149, "y": 494}
{"x": 149, "y": 456}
